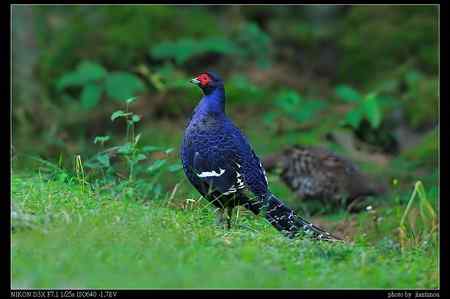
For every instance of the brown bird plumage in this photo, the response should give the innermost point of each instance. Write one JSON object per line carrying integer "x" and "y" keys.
{"x": 318, "y": 174}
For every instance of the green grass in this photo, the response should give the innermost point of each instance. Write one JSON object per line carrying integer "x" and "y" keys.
{"x": 86, "y": 240}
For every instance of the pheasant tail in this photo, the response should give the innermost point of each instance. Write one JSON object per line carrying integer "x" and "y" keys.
{"x": 286, "y": 221}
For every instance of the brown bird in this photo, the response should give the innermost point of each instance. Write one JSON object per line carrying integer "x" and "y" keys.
{"x": 318, "y": 174}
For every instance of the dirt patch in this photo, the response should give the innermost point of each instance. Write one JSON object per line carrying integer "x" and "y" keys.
{"x": 345, "y": 229}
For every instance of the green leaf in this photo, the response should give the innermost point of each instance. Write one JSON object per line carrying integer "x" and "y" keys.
{"x": 353, "y": 118}
{"x": 125, "y": 149}
{"x": 307, "y": 110}
{"x": 169, "y": 150}
{"x": 91, "y": 71}
{"x": 104, "y": 160}
{"x": 101, "y": 139}
{"x": 135, "y": 118}
{"x": 100, "y": 160}
{"x": 180, "y": 50}
{"x": 119, "y": 113}
{"x": 86, "y": 72}
{"x": 288, "y": 100}
{"x": 156, "y": 165}
{"x": 122, "y": 86}
{"x": 218, "y": 44}
{"x": 137, "y": 138}
{"x": 372, "y": 110}
{"x": 185, "y": 48}
{"x": 296, "y": 107}
{"x": 90, "y": 95}
{"x": 68, "y": 80}
{"x": 151, "y": 148}
{"x": 241, "y": 84}
{"x": 131, "y": 100}
{"x": 175, "y": 167}
{"x": 141, "y": 157}
{"x": 347, "y": 94}
{"x": 270, "y": 117}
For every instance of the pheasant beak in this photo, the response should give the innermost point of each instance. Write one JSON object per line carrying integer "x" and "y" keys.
{"x": 195, "y": 81}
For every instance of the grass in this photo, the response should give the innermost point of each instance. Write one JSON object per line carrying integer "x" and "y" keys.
{"x": 81, "y": 239}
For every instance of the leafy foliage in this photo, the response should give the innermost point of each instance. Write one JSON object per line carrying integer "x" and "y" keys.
{"x": 254, "y": 45}
{"x": 90, "y": 95}
{"x": 250, "y": 43}
{"x": 183, "y": 49}
{"x": 239, "y": 88}
{"x": 121, "y": 85}
{"x": 86, "y": 72}
{"x": 421, "y": 98}
{"x": 384, "y": 35}
{"x": 366, "y": 107}
{"x": 153, "y": 50}
{"x": 94, "y": 79}
{"x": 347, "y": 94}
{"x": 132, "y": 154}
{"x": 292, "y": 104}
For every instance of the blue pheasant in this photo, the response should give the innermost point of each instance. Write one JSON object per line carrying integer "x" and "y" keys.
{"x": 220, "y": 163}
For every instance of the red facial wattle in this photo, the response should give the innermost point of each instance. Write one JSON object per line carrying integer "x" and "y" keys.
{"x": 204, "y": 79}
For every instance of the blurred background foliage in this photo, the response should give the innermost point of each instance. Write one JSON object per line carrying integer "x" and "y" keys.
{"x": 314, "y": 75}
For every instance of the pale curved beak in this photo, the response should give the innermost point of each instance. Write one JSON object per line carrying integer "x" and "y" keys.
{"x": 195, "y": 81}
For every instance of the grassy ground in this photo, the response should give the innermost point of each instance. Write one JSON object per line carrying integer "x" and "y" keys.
{"x": 81, "y": 239}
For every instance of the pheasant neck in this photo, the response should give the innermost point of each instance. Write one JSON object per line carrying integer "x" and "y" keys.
{"x": 213, "y": 102}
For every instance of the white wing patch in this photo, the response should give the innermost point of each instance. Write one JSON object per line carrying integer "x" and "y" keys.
{"x": 207, "y": 174}
{"x": 264, "y": 172}
{"x": 240, "y": 182}
{"x": 233, "y": 188}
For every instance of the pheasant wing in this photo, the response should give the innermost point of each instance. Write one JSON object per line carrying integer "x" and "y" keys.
{"x": 217, "y": 171}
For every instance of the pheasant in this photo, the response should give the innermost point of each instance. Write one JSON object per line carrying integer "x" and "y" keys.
{"x": 318, "y": 174}
{"x": 220, "y": 163}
